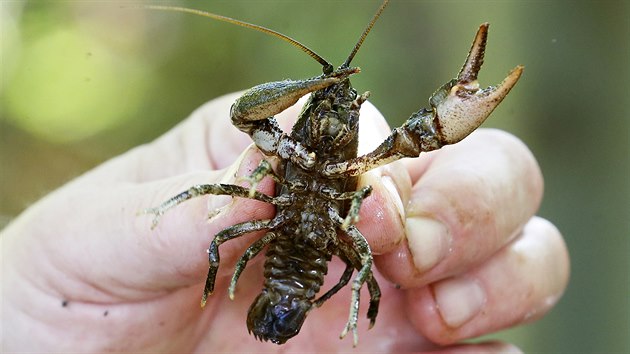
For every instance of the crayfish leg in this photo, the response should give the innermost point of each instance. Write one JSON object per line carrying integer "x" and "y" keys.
{"x": 343, "y": 281}
{"x": 224, "y": 235}
{"x": 263, "y": 170}
{"x": 252, "y": 251}
{"x": 360, "y": 254}
{"x": 204, "y": 189}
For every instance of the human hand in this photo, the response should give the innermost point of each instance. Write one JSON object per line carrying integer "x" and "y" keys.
{"x": 83, "y": 272}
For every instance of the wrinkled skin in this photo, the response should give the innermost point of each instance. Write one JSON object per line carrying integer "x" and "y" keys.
{"x": 128, "y": 288}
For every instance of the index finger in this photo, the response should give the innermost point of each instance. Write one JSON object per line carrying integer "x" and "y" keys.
{"x": 471, "y": 200}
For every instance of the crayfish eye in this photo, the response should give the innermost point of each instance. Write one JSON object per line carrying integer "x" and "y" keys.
{"x": 276, "y": 318}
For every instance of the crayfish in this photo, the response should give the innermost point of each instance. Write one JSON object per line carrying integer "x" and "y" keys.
{"x": 316, "y": 200}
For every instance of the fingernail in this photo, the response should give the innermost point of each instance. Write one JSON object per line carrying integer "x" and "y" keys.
{"x": 391, "y": 189}
{"x": 231, "y": 172}
{"x": 458, "y": 300}
{"x": 219, "y": 203}
{"x": 429, "y": 241}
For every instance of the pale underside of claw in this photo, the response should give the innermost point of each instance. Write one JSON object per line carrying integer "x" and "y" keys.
{"x": 464, "y": 106}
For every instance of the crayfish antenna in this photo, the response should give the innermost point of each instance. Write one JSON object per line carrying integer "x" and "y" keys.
{"x": 293, "y": 42}
{"x": 367, "y": 30}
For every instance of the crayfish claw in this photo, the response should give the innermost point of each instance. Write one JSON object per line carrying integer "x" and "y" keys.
{"x": 461, "y": 105}
{"x": 473, "y": 63}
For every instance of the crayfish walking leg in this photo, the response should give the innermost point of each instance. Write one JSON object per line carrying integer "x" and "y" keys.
{"x": 226, "y": 235}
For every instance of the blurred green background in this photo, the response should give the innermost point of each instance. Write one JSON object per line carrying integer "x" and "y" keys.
{"x": 83, "y": 81}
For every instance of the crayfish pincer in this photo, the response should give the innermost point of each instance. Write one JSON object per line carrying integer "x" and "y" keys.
{"x": 316, "y": 197}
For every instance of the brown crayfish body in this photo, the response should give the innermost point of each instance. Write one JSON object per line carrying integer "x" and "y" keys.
{"x": 316, "y": 200}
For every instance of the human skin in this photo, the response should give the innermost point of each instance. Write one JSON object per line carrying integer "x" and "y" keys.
{"x": 458, "y": 250}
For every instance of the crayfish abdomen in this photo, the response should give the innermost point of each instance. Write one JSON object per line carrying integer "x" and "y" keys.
{"x": 294, "y": 273}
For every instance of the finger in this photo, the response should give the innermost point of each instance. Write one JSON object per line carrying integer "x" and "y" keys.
{"x": 204, "y": 141}
{"x": 381, "y": 218}
{"x": 471, "y": 200}
{"x": 190, "y": 226}
{"x": 125, "y": 256}
{"x": 518, "y": 284}
{"x": 475, "y": 348}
